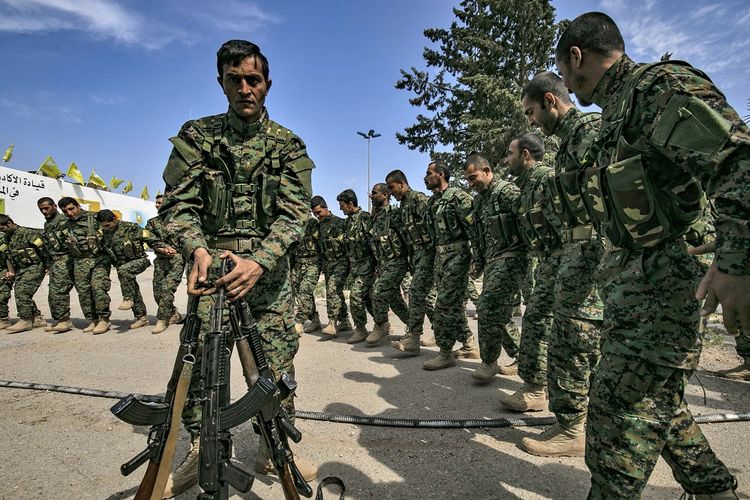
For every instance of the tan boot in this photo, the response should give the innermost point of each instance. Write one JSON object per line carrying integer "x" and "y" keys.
{"x": 176, "y": 319}
{"x": 314, "y": 324}
{"x": 468, "y": 350}
{"x": 299, "y": 329}
{"x": 330, "y": 329}
{"x": 90, "y": 327}
{"x": 126, "y": 304}
{"x": 344, "y": 326}
{"x": 729, "y": 494}
{"x": 19, "y": 326}
{"x": 741, "y": 372}
{"x": 426, "y": 341}
{"x": 378, "y": 332}
{"x": 558, "y": 441}
{"x": 264, "y": 466}
{"x": 527, "y": 398}
{"x": 511, "y": 369}
{"x": 409, "y": 344}
{"x": 486, "y": 371}
{"x": 39, "y": 322}
{"x": 159, "y": 327}
{"x": 4, "y": 323}
{"x": 444, "y": 359}
{"x": 360, "y": 333}
{"x": 101, "y": 327}
{"x": 51, "y": 327}
{"x": 186, "y": 474}
{"x": 62, "y": 326}
{"x": 139, "y": 322}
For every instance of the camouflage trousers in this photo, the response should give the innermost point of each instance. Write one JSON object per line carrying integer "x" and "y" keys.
{"x": 168, "y": 273}
{"x": 360, "y": 293}
{"x": 92, "y": 283}
{"x": 574, "y": 338}
{"x": 271, "y": 305}
{"x": 451, "y": 277}
{"x": 421, "y": 291}
{"x": 60, "y": 285}
{"x": 28, "y": 280}
{"x": 6, "y": 290}
{"x": 128, "y": 273}
{"x": 335, "y": 274}
{"x": 386, "y": 291}
{"x": 743, "y": 347}
{"x": 472, "y": 294}
{"x": 304, "y": 280}
{"x": 502, "y": 278}
{"x": 527, "y": 285}
{"x": 650, "y": 347}
{"x": 536, "y": 322}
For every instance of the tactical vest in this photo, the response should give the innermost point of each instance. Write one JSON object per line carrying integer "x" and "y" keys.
{"x": 127, "y": 250}
{"x": 55, "y": 239}
{"x": 308, "y": 243}
{"x": 25, "y": 256}
{"x": 447, "y": 221}
{"x": 500, "y": 229}
{"x": 82, "y": 244}
{"x": 639, "y": 198}
{"x": 386, "y": 244}
{"x": 332, "y": 245}
{"x": 416, "y": 230}
{"x": 357, "y": 239}
{"x": 536, "y": 231}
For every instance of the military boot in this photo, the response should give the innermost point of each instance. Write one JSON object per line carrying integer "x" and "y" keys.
{"x": 101, "y": 327}
{"x": 741, "y": 372}
{"x": 344, "y": 326}
{"x": 360, "y": 333}
{"x": 51, "y": 327}
{"x": 159, "y": 327}
{"x": 64, "y": 325}
{"x": 263, "y": 464}
{"x": 90, "y": 327}
{"x": 558, "y": 441}
{"x": 139, "y": 322}
{"x": 176, "y": 319}
{"x": 528, "y": 398}
{"x": 186, "y": 474}
{"x": 330, "y": 329}
{"x": 314, "y": 324}
{"x": 426, "y": 341}
{"x": 730, "y": 494}
{"x": 486, "y": 371}
{"x": 511, "y": 369}
{"x": 39, "y": 322}
{"x": 298, "y": 329}
{"x": 379, "y": 331}
{"x": 4, "y": 323}
{"x": 468, "y": 350}
{"x": 409, "y": 344}
{"x": 19, "y": 326}
{"x": 126, "y": 304}
{"x": 444, "y": 359}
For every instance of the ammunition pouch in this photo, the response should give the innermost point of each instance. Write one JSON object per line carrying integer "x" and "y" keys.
{"x": 416, "y": 234}
{"x": 132, "y": 250}
{"x": 577, "y": 233}
{"x": 447, "y": 221}
{"x": 502, "y": 229}
{"x": 566, "y": 198}
{"x": 388, "y": 247}
{"x": 214, "y": 194}
{"x": 24, "y": 257}
{"x": 331, "y": 246}
{"x": 55, "y": 241}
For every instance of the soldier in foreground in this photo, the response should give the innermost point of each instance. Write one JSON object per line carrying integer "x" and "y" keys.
{"x": 667, "y": 136}
{"x": 269, "y": 203}
{"x": 123, "y": 241}
{"x": 59, "y": 264}
{"x": 305, "y": 276}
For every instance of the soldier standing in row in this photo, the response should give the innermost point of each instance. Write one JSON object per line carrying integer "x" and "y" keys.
{"x": 123, "y": 241}
{"x": 361, "y": 262}
{"x": 6, "y": 282}
{"x": 305, "y": 276}
{"x": 169, "y": 266}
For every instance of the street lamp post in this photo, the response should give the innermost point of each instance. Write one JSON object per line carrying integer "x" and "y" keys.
{"x": 369, "y": 135}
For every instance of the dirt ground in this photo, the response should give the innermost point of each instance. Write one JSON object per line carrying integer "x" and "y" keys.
{"x": 62, "y": 446}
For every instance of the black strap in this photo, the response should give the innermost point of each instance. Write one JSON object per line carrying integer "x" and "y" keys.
{"x": 328, "y": 481}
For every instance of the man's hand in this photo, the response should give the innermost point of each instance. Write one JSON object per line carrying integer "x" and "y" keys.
{"x": 166, "y": 251}
{"x": 9, "y": 276}
{"x": 242, "y": 278}
{"x": 202, "y": 261}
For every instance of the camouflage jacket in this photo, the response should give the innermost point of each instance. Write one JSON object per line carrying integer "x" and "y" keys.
{"x": 84, "y": 235}
{"x": 448, "y": 212}
{"x": 357, "y": 238}
{"x": 157, "y": 234}
{"x": 415, "y": 216}
{"x": 24, "y": 247}
{"x": 496, "y": 226}
{"x": 331, "y": 242}
{"x": 125, "y": 242}
{"x": 54, "y": 236}
{"x": 308, "y": 245}
{"x": 538, "y": 224}
{"x": 387, "y": 242}
{"x": 670, "y": 122}
{"x": 237, "y": 181}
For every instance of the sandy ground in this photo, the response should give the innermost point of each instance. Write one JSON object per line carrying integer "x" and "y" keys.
{"x": 61, "y": 446}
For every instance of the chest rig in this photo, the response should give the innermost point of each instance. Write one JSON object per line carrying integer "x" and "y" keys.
{"x": 416, "y": 230}
{"x": 499, "y": 227}
{"x": 536, "y": 231}
{"x": 357, "y": 238}
{"x": 83, "y": 236}
{"x": 386, "y": 243}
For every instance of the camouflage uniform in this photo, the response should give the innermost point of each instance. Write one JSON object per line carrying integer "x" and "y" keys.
{"x": 675, "y": 135}
{"x": 392, "y": 263}
{"x": 91, "y": 266}
{"x": 306, "y": 272}
{"x": 60, "y": 266}
{"x": 6, "y": 286}
{"x": 168, "y": 270}
{"x": 125, "y": 247}
{"x": 25, "y": 250}
{"x": 361, "y": 265}
{"x": 502, "y": 256}
{"x": 266, "y": 169}
{"x": 335, "y": 265}
{"x": 451, "y": 233}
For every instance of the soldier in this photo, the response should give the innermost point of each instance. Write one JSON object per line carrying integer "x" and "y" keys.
{"x": 305, "y": 276}
{"x": 540, "y": 232}
{"x": 335, "y": 265}
{"x": 24, "y": 248}
{"x": 667, "y": 136}
{"x": 123, "y": 241}
{"x": 266, "y": 169}
{"x": 741, "y": 372}
{"x": 59, "y": 265}
{"x": 361, "y": 262}
{"x": 389, "y": 248}
{"x": 501, "y": 256}
{"x": 574, "y": 340}
{"x": 416, "y": 233}
{"x": 451, "y": 232}
{"x": 169, "y": 267}
{"x": 6, "y": 282}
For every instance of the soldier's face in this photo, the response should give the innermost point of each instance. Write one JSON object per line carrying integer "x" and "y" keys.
{"x": 49, "y": 210}
{"x": 246, "y": 88}
{"x": 514, "y": 160}
{"x": 575, "y": 81}
{"x": 158, "y": 203}
{"x": 478, "y": 178}
{"x": 378, "y": 197}
{"x": 542, "y": 115}
{"x": 108, "y": 225}
{"x": 347, "y": 208}
{"x": 5, "y": 228}
{"x": 431, "y": 178}
{"x": 320, "y": 213}
{"x": 398, "y": 189}
{"x": 71, "y": 211}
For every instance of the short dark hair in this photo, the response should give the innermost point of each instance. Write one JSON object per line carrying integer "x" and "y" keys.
{"x": 105, "y": 215}
{"x": 478, "y": 161}
{"x": 5, "y": 219}
{"x": 531, "y": 142}
{"x": 396, "y": 176}
{"x": 318, "y": 201}
{"x": 442, "y": 167}
{"x": 382, "y": 187}
{"x": 67, "y": 200}
{"x": 159, "y": 196}
{"x": 544, "y": 82}
{"x": 234, "y": 51}
{"x": 594, "y": 31}
{"x": 347, "y": 196}
{"x": 45, "y": 199}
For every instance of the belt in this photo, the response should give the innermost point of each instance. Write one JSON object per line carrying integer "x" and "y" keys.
{"x": 507, "y": 254}
{"x": 577, "y": 233}
{"x": 239, "y": 245}
{"x": 450, "y": 247}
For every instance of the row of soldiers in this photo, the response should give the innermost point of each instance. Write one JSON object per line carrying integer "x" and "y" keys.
{"x": 78, "y": 248}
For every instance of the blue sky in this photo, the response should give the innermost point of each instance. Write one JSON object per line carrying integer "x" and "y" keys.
{"x": 105, "y": 83}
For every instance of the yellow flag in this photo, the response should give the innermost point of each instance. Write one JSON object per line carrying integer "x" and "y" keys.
{"x": 128, "y": 188}
{"x": 144, "y": 193}
{"x": 8, "y": 153}
{"x": 96, "y": 180}
{"x": 49, "y": 168}
{"x": 75, "y": 174}
{"x": 115, "y": 182}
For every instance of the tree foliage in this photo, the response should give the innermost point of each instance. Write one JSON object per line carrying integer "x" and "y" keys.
{"x": 469, "y": 94}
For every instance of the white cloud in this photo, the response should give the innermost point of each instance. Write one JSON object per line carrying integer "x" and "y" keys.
{"x": 105, "y": 100}
{"x": 235, "y": 16}
{"x": 43, "y": 106}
